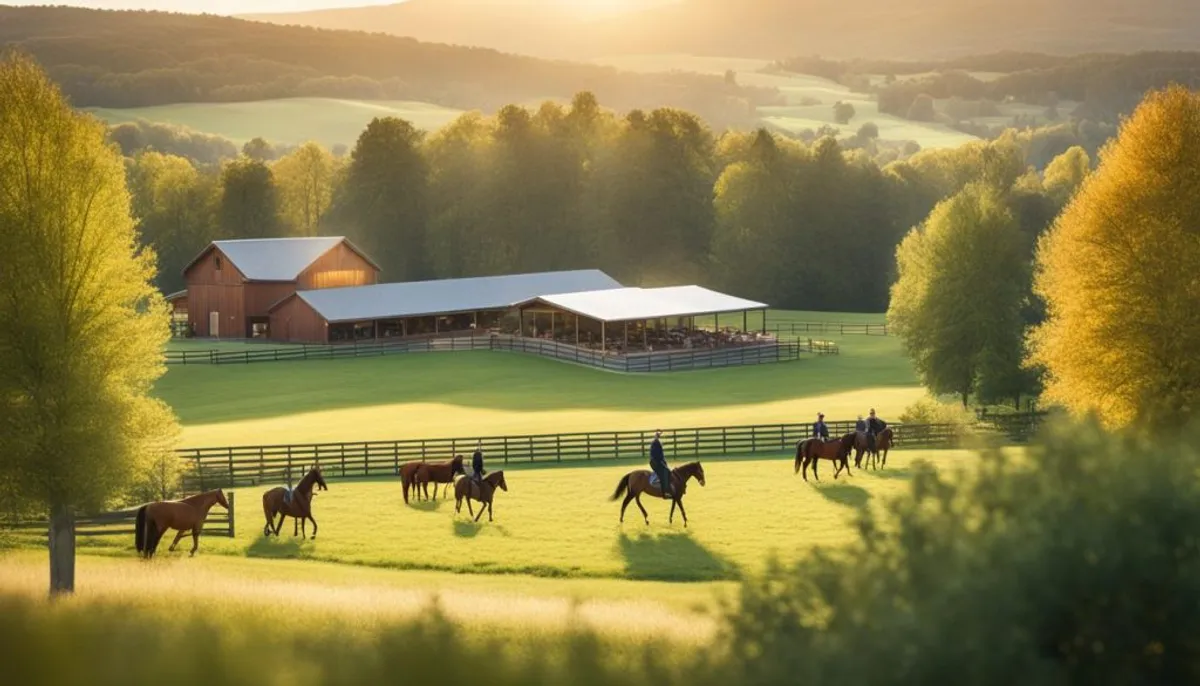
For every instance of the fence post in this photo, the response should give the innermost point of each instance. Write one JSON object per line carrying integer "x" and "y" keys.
{"x": 558, "y": 446}
{"x": 344, "y": 458}
{"x": 754, "y": 439}
{"x": 231, "y": 465}
{"x": 724, "y": 444}
{"x": 200, "y": 471}
{"x": 289, "y": 466}
{"x": 232, "y": 502}
{"x": 396, "y": 456}
{"x": 262, "y": 467}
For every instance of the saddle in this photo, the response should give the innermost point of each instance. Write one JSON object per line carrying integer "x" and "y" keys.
{"x": 287, "y": 496}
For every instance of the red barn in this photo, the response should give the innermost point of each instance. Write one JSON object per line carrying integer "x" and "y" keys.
{"x": 232, "y": 285}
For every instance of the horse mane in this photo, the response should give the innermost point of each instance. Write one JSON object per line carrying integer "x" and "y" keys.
{"x": 307, "y": 482}
{"x": 494, "y": 477}
{"x": 690, "y": 466}
{"x": 200, "y": 497}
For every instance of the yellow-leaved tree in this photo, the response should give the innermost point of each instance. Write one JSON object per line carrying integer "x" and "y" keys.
{"x": 1120, "y": 274}
{"x": 82, "y": 329}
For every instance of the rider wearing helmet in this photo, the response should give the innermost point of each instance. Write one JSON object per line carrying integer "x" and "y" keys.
{"x": 819, "y": 429}
{"x": 874, "y": 426}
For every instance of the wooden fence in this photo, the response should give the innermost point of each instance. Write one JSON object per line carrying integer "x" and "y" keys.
{"x": 827, "y": 329}
{"x": 121, "y": 523}
{"x": 661, "y": 361}
{"x": 251, "y": 465}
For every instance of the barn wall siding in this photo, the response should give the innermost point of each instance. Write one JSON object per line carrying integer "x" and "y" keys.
{"x": 212, "y": 290}
{"x": 296, "y": 322}
{"x": 338, "y": 268}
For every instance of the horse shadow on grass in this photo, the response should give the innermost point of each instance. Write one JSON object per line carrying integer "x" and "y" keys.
{"x": 672, "y": 556}
{"x": 467, "y": 528}
{"x": 427, "y": 505}
{"x": 272, "y": 547}
{"x": 845, "y": 494}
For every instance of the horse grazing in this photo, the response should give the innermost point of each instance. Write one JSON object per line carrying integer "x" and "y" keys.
{"x": 185, "y": 515}
{"x": 814, "y": 449}
{"x": 883, "y": 442}
{"x": 635, "y": 483}
{"x": 296, "y": 503}
{"x": 468, "y": 489}
{"x": 438, "y": 473}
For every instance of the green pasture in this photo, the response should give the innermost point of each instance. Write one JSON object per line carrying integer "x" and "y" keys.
{"x": 484, "y": 393}
{"x": 559, "y": 522}
{"x": 292, "y": 120}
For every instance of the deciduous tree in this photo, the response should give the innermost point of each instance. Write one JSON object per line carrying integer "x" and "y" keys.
{"x": 1118, "y": 274}
{"x": 963, "y": 280}
{"x": 305, "y": 178}
{"x": 81, "y": 327}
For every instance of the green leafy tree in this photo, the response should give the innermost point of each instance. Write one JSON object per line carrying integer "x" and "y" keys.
{"x": 843, "y": 112}
{"x": 962, "y": 283}
{"x": 385, "y": 200}
{"x": 1118, "y": 274}
{"x": 306, "y": 179}
{"x": 249, "y": 201}
{"x": 82, "y": 328}
{"x": 1066, "y": 173}
{"x": 173, "y": 202}
{"x": 259, "y": 150}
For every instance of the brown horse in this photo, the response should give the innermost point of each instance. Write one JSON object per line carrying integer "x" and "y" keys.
{"x": 185, "y": 515}
{"x": 298, "y": 504}
{"x": 635, "y": 483}
{"x": 883, "y": 443}
{"x": 408, "y": 472}
{"x": 438, "y": 473}
{"x": 814, "y": 449}
{"x": 467, "y": 489}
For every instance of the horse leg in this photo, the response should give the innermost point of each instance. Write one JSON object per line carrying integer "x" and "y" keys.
{"x": 470, "y": 510}
{"x": 195, "y": 538}
{"x": 645, "y": 515}
{"x": 816, "y": 461}
{"x": 181, "y": 534}
{"x": 279, "y": 525}
{"x": 682, "y": 512}
{"x": 671, "y": 517}
{"x": 314, "y": 521}
{"x": 885, "y": 452}
{"x": 625, "y": 504}
{"x": 490, "y": 509}
{"x": 482, "y": 507}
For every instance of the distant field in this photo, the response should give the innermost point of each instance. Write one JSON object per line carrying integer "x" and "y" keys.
{"x": 293, "y": 120}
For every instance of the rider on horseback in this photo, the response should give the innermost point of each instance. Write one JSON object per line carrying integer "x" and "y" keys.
{"x": 819, "y": 429}
{"x": 874, "y": 426}
{"x": 477, "y": 470}
{"x": 658, "y": 463}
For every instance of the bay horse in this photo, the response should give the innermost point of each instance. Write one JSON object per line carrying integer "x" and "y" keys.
{"x": 408, "y": 472}
{"x": 467, "y": 489}
{"x": 298, "y": 505}
{"x": 438, "y": 473}
{"x": 637, "y": 482}
{"x": 883, "y": 442}
{"x": 814, "y": 449}
{"x": 185, "y": 515}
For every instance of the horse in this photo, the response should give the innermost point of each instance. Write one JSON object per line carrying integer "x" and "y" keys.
{"x": 438, "y": 473}
{"x": 883, "y": 442}
{"x": 814, "y": 449}
{"x": 185, "y": 515}
{"x": 467, "y": 489}
{"x": 408, "y": 472}
{"x": 299, "y": 505}
{"x": 637, "y": 482}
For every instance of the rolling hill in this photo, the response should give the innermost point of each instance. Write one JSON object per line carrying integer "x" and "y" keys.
{"x": 772, "y": 29}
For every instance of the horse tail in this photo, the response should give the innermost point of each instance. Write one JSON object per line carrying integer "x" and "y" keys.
{"x": 800, "y": 454}
{"x": 139, "y": 534}
{"x": 621, "y": 487}
{"x": 404, "y": 484}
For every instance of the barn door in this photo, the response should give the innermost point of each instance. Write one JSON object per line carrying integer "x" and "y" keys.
{"x": 214, "y": 324}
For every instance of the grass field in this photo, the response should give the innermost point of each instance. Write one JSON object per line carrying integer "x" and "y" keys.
{"x": 558, "y": 522}
{"x": 452, "y": 394}
{"x": 293, "y": 120}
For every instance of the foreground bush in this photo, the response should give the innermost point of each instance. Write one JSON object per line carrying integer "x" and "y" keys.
{"x": 1075, "y": 564}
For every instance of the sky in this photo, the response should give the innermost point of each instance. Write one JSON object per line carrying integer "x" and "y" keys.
{"x": 210, "y": 6}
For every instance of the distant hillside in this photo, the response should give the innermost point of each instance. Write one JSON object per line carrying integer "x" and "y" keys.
{"x": 892, "y": 29}
{"x": 141, "y": 59}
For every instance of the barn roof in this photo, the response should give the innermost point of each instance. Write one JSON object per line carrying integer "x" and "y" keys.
{"x": 276, "y": 259}
{"x": 629, "y": 304}
{"x": 423, "y": 298}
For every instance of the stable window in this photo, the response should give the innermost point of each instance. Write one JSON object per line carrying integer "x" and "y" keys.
{"x": 218, "y": 263}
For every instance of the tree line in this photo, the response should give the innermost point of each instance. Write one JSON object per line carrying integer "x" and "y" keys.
{"x": 652, "y": 197}
{"x": 139, "y": 59}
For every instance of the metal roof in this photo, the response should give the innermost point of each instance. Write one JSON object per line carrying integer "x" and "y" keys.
{"x": 629, "y": 304}
{"x": 423, "y": 298}
{"x": 276, "y": 259}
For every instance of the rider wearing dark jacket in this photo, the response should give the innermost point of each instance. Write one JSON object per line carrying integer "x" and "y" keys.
{"x": 658, "y": 463}
{"x": 819, "y": 429}
{"x": 874, "y": 426}
{"x": 477, "y": 470}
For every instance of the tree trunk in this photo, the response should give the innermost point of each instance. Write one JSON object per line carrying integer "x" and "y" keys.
{"x": 62, "y": 550}
{"x": 965, "y": 404}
